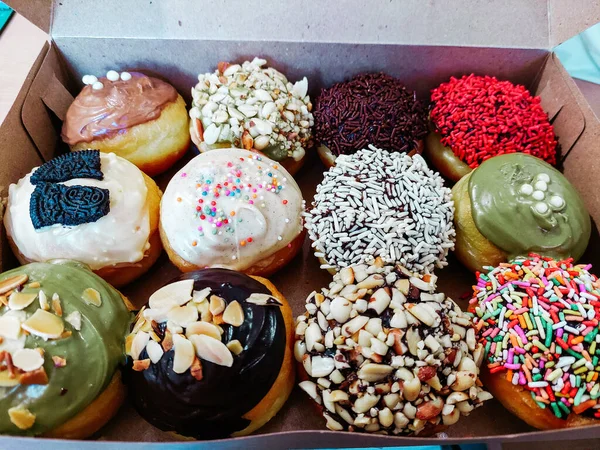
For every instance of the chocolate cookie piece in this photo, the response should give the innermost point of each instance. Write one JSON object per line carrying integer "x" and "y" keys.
{"x": 67, "y": 205}
{"x": 83, "y": 164}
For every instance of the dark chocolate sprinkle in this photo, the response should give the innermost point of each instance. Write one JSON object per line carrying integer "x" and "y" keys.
{"x": 67, "y": 205}
{"x": 369, "y": 109}
{"x": 83, "y": 164}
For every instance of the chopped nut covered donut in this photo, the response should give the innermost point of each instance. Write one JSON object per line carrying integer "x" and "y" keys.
{"x": 385, "y": 353}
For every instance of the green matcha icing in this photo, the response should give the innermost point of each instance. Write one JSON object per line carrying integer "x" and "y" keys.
{"x": 522, "y": 204}
{"x": 92, "y": 354}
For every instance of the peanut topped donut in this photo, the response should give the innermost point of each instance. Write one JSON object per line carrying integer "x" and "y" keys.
{"x": 538, "y": 320}
{"x": 252, "y": 107}
{"x": 477, "y": 117}
{"x": 385, "y": 353}
{"x": 379, "y": 203}
{"x": 232, "y": 208}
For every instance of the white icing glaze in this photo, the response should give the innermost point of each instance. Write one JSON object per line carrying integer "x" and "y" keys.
{"x": 265, "y": 218}
{"x": 119, "y": 237}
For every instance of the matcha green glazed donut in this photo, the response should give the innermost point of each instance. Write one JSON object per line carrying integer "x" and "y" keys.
{"x": 515, "y": 204}
{"x": 62, "y": 332}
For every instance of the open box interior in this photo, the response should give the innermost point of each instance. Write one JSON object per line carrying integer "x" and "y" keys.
{"x": 511, "y": 42}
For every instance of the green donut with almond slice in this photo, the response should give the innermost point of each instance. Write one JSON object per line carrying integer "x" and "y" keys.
{"x": 62, "y": 331}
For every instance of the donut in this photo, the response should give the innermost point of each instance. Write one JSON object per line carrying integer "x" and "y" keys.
{"x": 477, "y": 117}
{"x": 538, "y": 321}
{"x": 384, "y": 353}
{"x": 515, "y": 204}
{"x": 88, "y": 206}
{"x": 63, "y": 330}
{"x": 212, "y": 355}
{"x": 140, "y": 118}
{"x": 233, "y": 209}
{"x": 372, "y": 108}
{"x": 253, "y": 107}
{"x": 376, "y": 203}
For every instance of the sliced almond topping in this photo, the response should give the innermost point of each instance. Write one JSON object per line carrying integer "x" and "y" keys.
{"x": 7, "y": 381}
{"x": 66, "y": 334}
{"x": 183, "y": 315}
{"x": 92, "y": 297}
{"x": 43, "y": 301}
{"x": 201, "y": 296}
{"x": 196, "y": 369}
{"x": 139, "y": 344}
{"x": 33, "y": 285}
{"x": 218, "y": 320}
{"x": 154, "y": 336}
{"x": 38, "y": 376}
{"x": 74, "y": 319}
{"x": 10, "y": 327}
{"x": 129, "y": 343}
{"x": 59, "y": 362}
{"x": 167, "y": 342}
{"x": 263, "y": 300}
{"x": 184, "y": 354}
{"x": 174, "y": 294}
{"x": 203, "y": 328}
{"x": 212, "y": 350}
{"x": 11, "y": 283}
{"x": 217, "y": 305}
{"x": 56, "y": 306}
{"x": 19, "y": 300}
{"x": 141, "y": 364}
{"x": 235, "y": 347}
{"x": 3, "y": 300}
{"x": 234, "y": 315}
{"x": 27, "y": 359}
{"x": 155, "y": 351}
{"x": 21, "y": 417}
{"x": 44, "y": 324}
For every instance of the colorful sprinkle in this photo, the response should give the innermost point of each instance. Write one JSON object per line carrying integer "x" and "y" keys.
{"x": 550, "y": 342}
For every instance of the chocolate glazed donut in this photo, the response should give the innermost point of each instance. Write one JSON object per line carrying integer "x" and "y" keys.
{"x": 213, "y": 407}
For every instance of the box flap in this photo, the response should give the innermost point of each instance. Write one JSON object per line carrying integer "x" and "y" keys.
{"x": 569, "y": 18}
{"x": 493, "y": 23}
{"x": 38, "y": 12}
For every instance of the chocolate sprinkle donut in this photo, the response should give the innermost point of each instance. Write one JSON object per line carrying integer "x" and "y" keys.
{"x": 369, "y": 109}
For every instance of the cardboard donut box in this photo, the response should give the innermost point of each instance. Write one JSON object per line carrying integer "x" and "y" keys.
{"x": 421, "y": 42}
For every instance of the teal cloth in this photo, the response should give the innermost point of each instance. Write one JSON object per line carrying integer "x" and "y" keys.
{"x": 5, "y": 13}
{"x": 581, "y": 55}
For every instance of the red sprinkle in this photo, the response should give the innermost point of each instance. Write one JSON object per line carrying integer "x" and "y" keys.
{"x": 480, "y": 117}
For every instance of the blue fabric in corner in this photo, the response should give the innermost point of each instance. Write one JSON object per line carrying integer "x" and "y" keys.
{"x": 581, "y": 55}
{"x": 5, "y": 13}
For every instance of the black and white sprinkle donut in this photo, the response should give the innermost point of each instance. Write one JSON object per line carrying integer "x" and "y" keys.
{"x": 376, "y": 203}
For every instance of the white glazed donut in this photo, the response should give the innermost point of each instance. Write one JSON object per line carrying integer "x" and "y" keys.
{"x": 232, "y": 209}
{"x": 121, "y": 236}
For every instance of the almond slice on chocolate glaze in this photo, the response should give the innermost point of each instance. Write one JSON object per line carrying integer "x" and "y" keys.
{"x": 91, "y": 296}
{"x": 184, "y": 354}
{"x": 217, "y": 305}
{"x": 263, "y": 300}
{"x": 174, "y": 294}
{"x": 233, "y": 314}
{"x": 44, "y": 324}
{"x": 235, "y": 347}
{"x": 183, "y": 315}
{"x": 19, "y": 300}
{"x": 138, "y": 344}
{"x": 27, "y": 359}
{"x": 200, "y": 296}
{"x": 155, "y": 351}
{"x": 212, "y": 350}
{"x": 203, "y": 328}
{"x": 12, "y": 283}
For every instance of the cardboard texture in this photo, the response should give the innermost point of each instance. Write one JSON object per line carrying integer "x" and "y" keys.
{"x": 509, "y": 39}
